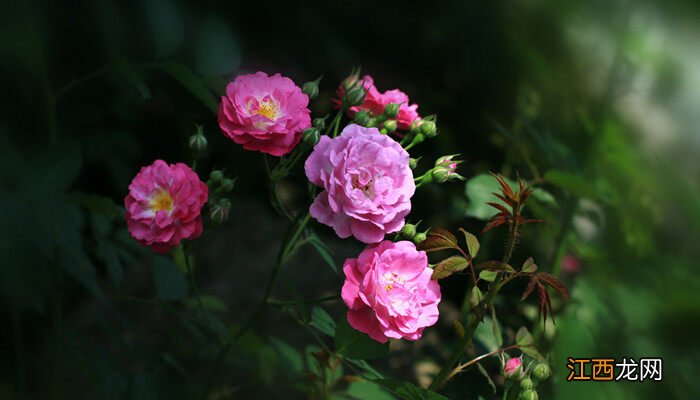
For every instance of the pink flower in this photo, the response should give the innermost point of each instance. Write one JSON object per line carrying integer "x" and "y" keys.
{"x": 513, "y": 368}
{"x": 571, "y": 264}
{"x": 367, "y": 180}
{"x": 163, "y": 205}
{"x": 389, "y": 291}
{"x": 264, "y": 113}
{"x": 375, "y": 102}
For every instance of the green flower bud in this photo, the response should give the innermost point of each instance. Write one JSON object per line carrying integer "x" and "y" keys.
{"x": 528, "y": 395}
{"x": 390, "y": 125}
{"x": 408, "y": 231}
{"x": 413, "y": 163}
{"x": 216, "y": 176}
{"x": 354, "y": 97}
{"x": 419, "y": 237}
{"x": 428, "y": 128}
{"x": 198, "y": 142}
{"x": 311, "y": 136}
{"x": 226, "y": 185}
{"x": 372, "y": 123}
{"x": 415, "y": 126}
{"x": 311, "y": 88}
{"x": 526, "y": 384}
{"x": 219, "y": 211}
{"x": 391, "y": 110}
{"x": 362, "y": 118}
{"x": 541, "y": 371}
{"x": 319, "y": 123}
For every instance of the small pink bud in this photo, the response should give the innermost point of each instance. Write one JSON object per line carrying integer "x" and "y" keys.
{"x": 513, "y": 368}
{"x": 571, "y": 264}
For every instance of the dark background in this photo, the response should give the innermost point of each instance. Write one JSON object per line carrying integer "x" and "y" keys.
{"x": 603, "y": 91}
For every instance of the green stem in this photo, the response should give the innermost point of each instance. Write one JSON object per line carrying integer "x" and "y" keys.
{"x": 193, "y": 283}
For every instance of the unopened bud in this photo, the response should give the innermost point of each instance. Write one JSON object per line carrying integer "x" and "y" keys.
{"x": 311, "y": 88}
{"x": 419, "y": 237}
{"x": 391, "y": 110}
{"x": 413, "y": 163}
{"x": 528, "y": 395}
{"x": 362, "y": 118}
{"x": 541, "y": 371}
{"x": 219, "y": 211}
{"x": 355, "y": 96}
{"x": 415, "y": 126}
{"x": 216, "y": 176}
{"x": 513, "y": 369}
{"x": 390, "y": 125}
{"x": 311, "y": 136}
{"x": 526, "y": 384}
{"x": 226, "y": 185}
{"x": 408, "y": 231}
{"x": 319, "y": 123}
{"x": 428, "y": 128}
{"x": 372, "y": 123}
{"x": 440, "y": 175}
{"x": 197, "y": 141}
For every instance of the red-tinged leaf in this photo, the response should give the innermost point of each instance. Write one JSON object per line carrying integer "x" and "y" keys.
{"x": 493, "y": 265}
{"x": 544, "y": 301}
{"x": 443, "y": 233}
{"x": 529, "y": 288}
{"x": 435, "y": 243}
{"x": 532, "y": 221}
{"x": 507, "y": 191}
{"x": 555, "y": 283}
{"x": 499, "y": 207}
{"x": 493, "y": 224}
{"x": 503, "y": 199}
{"x": 449, "y": 266}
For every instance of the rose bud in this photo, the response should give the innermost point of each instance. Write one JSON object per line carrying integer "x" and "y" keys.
{"x": 354, "y": 97}
{"x": 413, "y": 163}
{"x": 390, "y": 125}
{"x": 513, "y": 369}
{"x": 428, "y": 128}
{"x": 311, "y": 88}
{"x": 362, "y": 118}
{"x": 219, "y": 211}
{"x": 408, "y": 231}
{"x": 419, "y": 237}
{"x": 541, "y": 372}
{"x": 216, "y": 176}
{"x": 391, "y": 110}
{"x": 226, "y": 185}
{"x": 198, "y": 142}
{"x": 529, "y": 395}
{"x": 311, "y": 136}
{"x": 526, "y": 384}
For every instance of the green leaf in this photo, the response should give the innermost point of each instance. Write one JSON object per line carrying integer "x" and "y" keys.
{"x": 409, "y": 391}
{"x": 322, "y": 321}
{"x": 479, "y": 190}
{"x": 487, "y": 376}
{"x": 485, "y": 335}
{"x": 488, "y": 276}
{"x": 529, "y": 265}
{"x": 268, "y": 364}
{"x": 323, "y": 251}
{"x": 170, "y": 282}
{"x": 354, "y": 344}
{"x": 366, "y": 390}
{"x": 291, "y": 357}
{"x": 571, "y": 183}
{"x": 208, "y": 302}
{"x": 127, "y": 71}
{"x": 472, "y": 243}
{"x": 476, "y": 297}
{"x": 449, "y": 266}
{"x": 523, "y": 338}
{"x": 192, "y": 83}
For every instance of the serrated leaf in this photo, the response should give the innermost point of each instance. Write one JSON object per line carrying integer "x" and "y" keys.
{"x": 352, "y": 343}
{"x": 192, "y": 83}
{"x": 488, "y": 276}
{"x": 472, "y": 243}
{"x": 322, "y": 321}
{"x": 555, "y": 283}
{"x": 449, "y": 266}
{"x": 127, "y": 71}
{"x": 170, "y": 282}
{"x": 434, "y": 243}
{"x": 494, "y": 265}
{"x": 529, "y": 266}
{"x": 476, "y": 297}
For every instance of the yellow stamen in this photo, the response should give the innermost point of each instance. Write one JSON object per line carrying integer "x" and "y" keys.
{"x": 267, "y": 108}
{"x": 161, "y": 201}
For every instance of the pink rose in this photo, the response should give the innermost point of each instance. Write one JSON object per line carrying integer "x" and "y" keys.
{"x": 163, "y": 205}
{"x": 367, "y": 180}
{"x": 264, "y": 113}
{"x": 389, "y": 291}
{"x": 375, "y": 102}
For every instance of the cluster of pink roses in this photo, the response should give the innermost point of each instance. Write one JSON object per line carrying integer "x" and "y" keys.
{"x": 367, "y": 188}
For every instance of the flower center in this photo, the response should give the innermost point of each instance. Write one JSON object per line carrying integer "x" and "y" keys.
{"x": 391, "y": 278}
{"x": 161, "y": 201}
{"x": 267, "y": 108}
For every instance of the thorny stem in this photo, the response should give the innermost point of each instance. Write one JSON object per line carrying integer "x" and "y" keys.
{"x": 479, "y": 310}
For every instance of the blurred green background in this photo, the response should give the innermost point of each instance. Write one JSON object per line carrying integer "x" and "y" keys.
{"x": 594, "y": 102}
